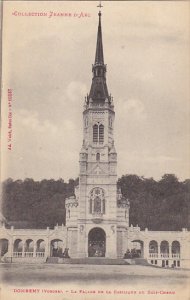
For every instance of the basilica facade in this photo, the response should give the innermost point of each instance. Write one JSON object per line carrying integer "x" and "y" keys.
{"x": 97, "y": 215}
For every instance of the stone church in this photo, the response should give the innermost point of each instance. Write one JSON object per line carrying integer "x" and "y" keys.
{"x": 97, "y": 216}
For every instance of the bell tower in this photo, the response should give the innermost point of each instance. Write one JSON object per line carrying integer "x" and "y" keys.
{"x": 97, "y": 216}
{"x": 98, "y": 166}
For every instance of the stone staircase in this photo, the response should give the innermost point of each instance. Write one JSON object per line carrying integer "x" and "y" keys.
{"x": 87, "y": 261}
{"x": 137, "y": 261}
{"x": 53, "y": 260}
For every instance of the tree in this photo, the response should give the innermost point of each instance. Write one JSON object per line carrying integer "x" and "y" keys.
{"x": 158, "y": 205}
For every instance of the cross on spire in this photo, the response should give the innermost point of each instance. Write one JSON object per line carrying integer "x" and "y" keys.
{"x": 100, "y": 5}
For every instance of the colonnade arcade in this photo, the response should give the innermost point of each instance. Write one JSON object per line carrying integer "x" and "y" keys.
{"x": 164, "y": 253}
{"x": 31, "y": 248}
{"x": 164, "y": 249}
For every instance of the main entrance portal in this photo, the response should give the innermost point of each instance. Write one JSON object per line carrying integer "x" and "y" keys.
{"x": 96, "y": 242}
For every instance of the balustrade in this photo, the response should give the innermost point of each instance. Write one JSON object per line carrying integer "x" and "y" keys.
{"x": 17, "y": 254}
{"x": 28, "y": 254}
{"x": 153, "y": 255}
{"x": 40, "y": 254}
{"x": 164, "y": 255}
{"x": 97, "y": 214}
{"x": 175, "y": 255}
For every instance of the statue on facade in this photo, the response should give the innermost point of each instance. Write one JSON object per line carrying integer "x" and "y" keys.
{"x": 66, "y": 253}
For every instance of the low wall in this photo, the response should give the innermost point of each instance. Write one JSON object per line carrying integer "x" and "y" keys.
{"x": 35, "y": 260}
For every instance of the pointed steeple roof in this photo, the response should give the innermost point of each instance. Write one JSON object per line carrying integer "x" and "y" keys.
{"x": 99, "y": 58}
{"x": 99, "y": 91}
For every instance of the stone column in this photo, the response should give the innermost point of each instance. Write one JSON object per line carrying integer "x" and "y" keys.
{"x": 47, "y": 248}
{"x": 146, "y": 249}
{"x": 10, "y": 247}
{"x": 158, "y": 249}
{"x": 47, "y": 243}
{"x": 34, "y": 249}
{"x": 170, "y": 250}
{"x": 23, "y": 247}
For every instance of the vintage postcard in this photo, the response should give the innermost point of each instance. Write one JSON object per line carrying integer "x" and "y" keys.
{"x": 95, "y": 152}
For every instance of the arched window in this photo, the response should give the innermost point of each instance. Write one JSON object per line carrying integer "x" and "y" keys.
{"x": 97, "y": 205}
{"x": 98, "y": 133}
{"x": 101, "y": 133}
{"x": 97, "y": 156}
{"x": 95, "y": 133}
{"x": 97, "y": 201}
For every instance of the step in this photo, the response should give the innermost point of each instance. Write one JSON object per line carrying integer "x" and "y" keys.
{"x": 88, "y": 261}
{"x": 52, "y": 260}
{"x": 137, "y": 261}
{"x": 24, "y": 260}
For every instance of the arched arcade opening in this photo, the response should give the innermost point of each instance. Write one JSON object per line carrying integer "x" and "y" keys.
{"x": 164, "y": 249}
{"x": 40, "y": 248}
{"x": 29, "y": 245}
{"x": 175, "y": 249}
{"x": 18, "y": 248}
{"x": 96, "y": 242}
{"x": 29, "y": 248}
{"x": 4, "y": 243}
{"x": 153, "y": 248}
{"x": 56, "y": 248}
{"x": 137, "y": 250}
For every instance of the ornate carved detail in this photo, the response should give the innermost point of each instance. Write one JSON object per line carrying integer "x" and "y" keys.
{"x": 81, "y": 228}
{"x": 97, "y": 217}
{"x": 113, "y": 229}
{"x": 97, "y": 192}
{"x": 71, "y": 204}
{"x": 97, "y": 170}
{"x": 99, "y": 112}
{"x": 123, "y": 203}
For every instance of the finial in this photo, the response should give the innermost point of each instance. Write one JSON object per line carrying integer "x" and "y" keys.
{"x": 100, "y": 5}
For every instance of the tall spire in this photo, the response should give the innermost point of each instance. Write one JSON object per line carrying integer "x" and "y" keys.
{"x": 99, "y": 91}
{"x": 99, "y": 58}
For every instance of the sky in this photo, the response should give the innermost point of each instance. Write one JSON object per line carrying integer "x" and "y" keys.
{"x": 47, "y": 64}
